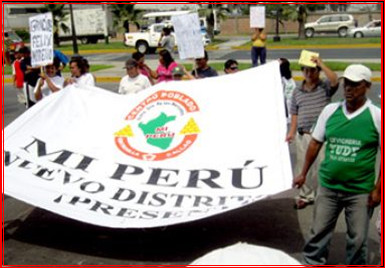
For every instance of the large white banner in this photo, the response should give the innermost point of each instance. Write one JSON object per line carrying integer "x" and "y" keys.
{"x": 188, "y": 33}
{"x": 41, "y": 31}
{"x": 177, "y": 152}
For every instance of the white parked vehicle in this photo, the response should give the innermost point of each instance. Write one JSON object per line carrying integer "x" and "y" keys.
{"x": 336, "y": 23}
{"x": 146, "y": 41}
{"x": 162, "y": 16}
{"x": 371, "y": 29}
{"x": 90, "y": 26}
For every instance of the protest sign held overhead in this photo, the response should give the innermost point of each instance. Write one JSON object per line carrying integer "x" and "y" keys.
{"x": 41, "y": 36}
{"x": 257, "y": 17}
{"x": 174, "y": 153}
{"x": 188, "y": 33}
{"x": 305, "y": 58}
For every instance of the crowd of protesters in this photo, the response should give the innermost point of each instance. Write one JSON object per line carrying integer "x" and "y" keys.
{"x": 317, "y": 128}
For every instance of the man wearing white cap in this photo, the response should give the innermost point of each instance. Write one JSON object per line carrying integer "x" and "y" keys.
{"x": 134, "y": 81}
{"x": 351, "y": 131}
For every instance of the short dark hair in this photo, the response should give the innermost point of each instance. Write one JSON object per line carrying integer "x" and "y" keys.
{"x": 137, "y": 55}
{"x": 166, "y": 55}
{"x": 56, "y": 62}
{"x": 167, "y": 30}
{"x": 284, "y": 68}
{"x": 230, "y": 62}
{"x": 80, "y": 62}
{"x": 24, "y": 50}
{"x": 317, "y": 67}
{"x": 86, "y": 64}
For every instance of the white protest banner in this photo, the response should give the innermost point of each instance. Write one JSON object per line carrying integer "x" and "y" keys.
{"x": 176, "y": 152}
{"x": 41, "y": 36}
{"x": 188, "y": 33}
{"x": 257, "y": 17}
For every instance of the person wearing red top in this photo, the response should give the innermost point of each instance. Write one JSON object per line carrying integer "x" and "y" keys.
{"x": 18, "y": 76}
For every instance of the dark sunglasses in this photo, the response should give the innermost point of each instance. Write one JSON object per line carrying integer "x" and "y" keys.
{"x": 234, "y": 68}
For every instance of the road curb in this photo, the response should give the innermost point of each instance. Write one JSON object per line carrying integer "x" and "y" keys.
{"x": 278, "y": 47}
{"x": 243, "y": 48}
{"x": 129, "y": 50}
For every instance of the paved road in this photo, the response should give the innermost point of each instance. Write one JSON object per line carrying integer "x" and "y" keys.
{"x": 367, "y": 54}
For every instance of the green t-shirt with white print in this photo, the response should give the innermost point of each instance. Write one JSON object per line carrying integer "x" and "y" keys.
{"x": 352, "y": 143}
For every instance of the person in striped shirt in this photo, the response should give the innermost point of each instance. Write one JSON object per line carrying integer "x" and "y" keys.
{"x": 307, "y": 102}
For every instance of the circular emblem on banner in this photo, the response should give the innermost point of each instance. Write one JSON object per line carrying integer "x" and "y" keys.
{"x": 160, "y": 127}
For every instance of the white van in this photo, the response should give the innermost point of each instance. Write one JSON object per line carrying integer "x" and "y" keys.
{"x": 147, "y": 41}
{"x": 165, "y": 16}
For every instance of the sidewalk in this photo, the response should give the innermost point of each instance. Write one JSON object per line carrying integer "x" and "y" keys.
{"x": 114, "y": 74}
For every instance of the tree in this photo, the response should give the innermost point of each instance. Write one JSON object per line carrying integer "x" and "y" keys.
{"x": 213, "y": 12}
{"x": 301, "y": 18}
{"x": 296, "y": 12}
{"x": 58, "y": 16}
{"x": 339, "y": 7}
{"x": 123, "y": 14}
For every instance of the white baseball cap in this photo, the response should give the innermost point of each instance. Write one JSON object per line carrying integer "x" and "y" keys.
{"x": 357, "y": 73}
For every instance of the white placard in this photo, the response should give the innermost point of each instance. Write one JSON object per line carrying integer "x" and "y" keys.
{"x": 41, "y": 37}
{"x": 173, "y": 153}
{"x": 257, "y": 17}
{"x": 188, "y": 33}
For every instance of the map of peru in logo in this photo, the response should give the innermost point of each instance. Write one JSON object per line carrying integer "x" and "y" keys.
{"x": 160, "y": 127}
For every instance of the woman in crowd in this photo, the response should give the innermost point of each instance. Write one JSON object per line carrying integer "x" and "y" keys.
{"x": 79, "y": 73}
{"x": 49, "y": 81}
{"x": 166, "y": 64}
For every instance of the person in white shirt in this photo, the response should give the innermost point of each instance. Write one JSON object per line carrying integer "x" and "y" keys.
{"x": 167, "y": 41}
{"x": 79, "y": 74}
{"x": 288, "y": 84}
{"x": 134, "y": 81}
{"x": 49, "y": 82}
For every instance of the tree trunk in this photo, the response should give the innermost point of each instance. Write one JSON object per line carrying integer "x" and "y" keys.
{"x": 56, "y": 39}
{"x": 302, "y": 14}
{"x": 301, "y": 30}
{"x": 210, "y": 25}
{"x": 126, "y": 26}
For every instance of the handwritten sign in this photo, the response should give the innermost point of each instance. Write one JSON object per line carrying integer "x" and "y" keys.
{"x": 257, "y": 17}
{"x": 41, "y": 30}
{"x": 188, "y": 34}
{"x": 305, "y": 58}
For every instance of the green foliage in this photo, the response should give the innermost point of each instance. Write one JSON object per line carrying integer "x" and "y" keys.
{"x": 208, "y": 13}
{"x": 315, "y": 7}
{"x": 58, "y": 14}
{"x": 124, "y": 13}
{"x": 24, "y": 35}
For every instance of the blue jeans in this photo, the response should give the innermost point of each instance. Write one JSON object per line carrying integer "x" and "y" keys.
{"x": 256, "y": 53}
{"x": 328, "y": 205}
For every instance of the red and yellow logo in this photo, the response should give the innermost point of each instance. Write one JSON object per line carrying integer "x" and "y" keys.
{"x": 160, "y": 127}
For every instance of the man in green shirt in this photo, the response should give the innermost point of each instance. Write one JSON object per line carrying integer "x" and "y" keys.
{"x": 352, "y": 132}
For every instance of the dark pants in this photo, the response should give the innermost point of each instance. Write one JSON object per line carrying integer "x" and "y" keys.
{"x": 258, "y": 53}
{"x": 29, "y": 103}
